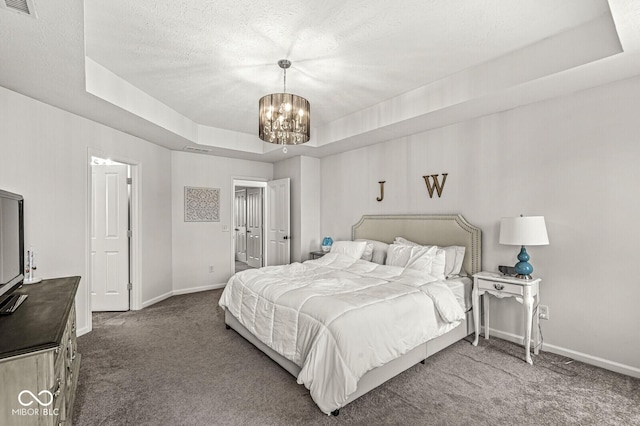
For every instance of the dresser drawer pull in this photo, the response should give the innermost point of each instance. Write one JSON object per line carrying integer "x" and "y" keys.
{"x": 72, "y": 352}
{"x": 498, "y": 286}
{"x": 58, "y": 386}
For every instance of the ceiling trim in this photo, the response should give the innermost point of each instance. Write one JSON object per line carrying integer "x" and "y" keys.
{"x": 418, "y": 110}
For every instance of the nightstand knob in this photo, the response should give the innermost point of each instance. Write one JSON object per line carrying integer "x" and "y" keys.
{"x": 498, "y": 286}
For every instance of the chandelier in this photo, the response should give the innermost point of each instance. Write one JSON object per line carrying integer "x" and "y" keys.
{"x": 284, "y": 117}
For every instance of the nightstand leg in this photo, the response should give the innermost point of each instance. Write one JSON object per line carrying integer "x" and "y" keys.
{"x": 528, "y": 308}
{"x": 536, "y": 330}
{"x": 485, "y": 299}
{"x": 476, "y": 312}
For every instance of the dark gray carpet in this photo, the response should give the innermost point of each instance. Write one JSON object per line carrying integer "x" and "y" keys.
{"x": 242, "y": 266}
{"x": 174, "y": 363}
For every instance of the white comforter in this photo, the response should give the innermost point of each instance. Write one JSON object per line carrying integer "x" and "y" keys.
{"x": 338, "y": 317}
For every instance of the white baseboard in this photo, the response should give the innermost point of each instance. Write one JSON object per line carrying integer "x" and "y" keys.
{"x": 198, "y": 289}
{"x": 157, "y": 299}
{"x": 578, "y": 356}
{"x": 181, "y": 291}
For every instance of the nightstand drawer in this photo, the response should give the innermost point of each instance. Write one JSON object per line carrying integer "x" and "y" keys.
{"x": 511, "y": 289}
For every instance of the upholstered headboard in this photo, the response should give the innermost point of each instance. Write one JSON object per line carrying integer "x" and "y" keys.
{"x": 441, "y": 230}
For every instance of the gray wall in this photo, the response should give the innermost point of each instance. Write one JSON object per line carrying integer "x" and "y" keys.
{"x": 198, "y": 245}
{"x": 574, "y": 160}
{"x": 44, "y": 155}
{"x": 305, "y": 184}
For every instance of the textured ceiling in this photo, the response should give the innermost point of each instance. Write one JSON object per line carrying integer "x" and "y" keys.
{"x": 212, "y": 60}
{"x": 190, "y": 73}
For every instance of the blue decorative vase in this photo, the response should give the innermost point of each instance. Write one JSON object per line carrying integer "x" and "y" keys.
{"x": 524, "y": 268}
{"x": 326, "y": 244}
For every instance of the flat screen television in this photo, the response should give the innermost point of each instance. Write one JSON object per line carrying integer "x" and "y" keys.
{"x": 11, "y": 242}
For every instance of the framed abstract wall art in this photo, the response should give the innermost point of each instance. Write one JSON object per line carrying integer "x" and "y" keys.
{"x": 201, "y": 204}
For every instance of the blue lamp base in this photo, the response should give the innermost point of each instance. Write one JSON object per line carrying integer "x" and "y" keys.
{"x": 523, "y": 268}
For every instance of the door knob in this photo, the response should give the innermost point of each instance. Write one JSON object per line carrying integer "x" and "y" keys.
{"x": 286, "y": 238}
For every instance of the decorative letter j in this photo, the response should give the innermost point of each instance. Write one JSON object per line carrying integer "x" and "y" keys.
{"x": 381, "y": 197}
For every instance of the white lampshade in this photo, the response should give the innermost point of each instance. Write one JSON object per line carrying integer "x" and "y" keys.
{"x": 523, "y": 231}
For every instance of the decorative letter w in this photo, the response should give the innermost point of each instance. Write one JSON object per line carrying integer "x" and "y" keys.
{"x": 436, "y": 184}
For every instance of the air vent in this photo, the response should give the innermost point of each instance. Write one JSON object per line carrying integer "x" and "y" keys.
{"x": 25, "y": 7}
{"x": 196, "y": 149}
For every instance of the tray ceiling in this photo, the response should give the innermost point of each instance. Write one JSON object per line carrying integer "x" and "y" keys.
{"x": 190, "y": 73}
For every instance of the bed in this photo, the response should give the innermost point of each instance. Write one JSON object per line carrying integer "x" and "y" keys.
{"x": 329, "y": 322}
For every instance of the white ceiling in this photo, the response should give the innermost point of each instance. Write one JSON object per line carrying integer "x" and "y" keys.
{"x": 190, "y": 73}
{"x": 212, "y": 61}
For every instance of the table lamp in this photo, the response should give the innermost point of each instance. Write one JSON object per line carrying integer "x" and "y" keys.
{"x": 523, "y": 231}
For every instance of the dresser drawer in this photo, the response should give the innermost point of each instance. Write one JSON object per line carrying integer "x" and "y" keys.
{"x": 497, "y": 287}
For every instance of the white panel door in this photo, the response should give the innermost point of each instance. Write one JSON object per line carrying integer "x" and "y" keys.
{"x": 278, "y": 222}
{"x": 109, "y": 238}
{"x": 240, "y": 225}
{"x": 254, "y": 227}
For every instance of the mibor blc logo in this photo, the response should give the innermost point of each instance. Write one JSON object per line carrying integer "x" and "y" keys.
{"x": 35, "y": 405}
{"x": 26, "y": 401}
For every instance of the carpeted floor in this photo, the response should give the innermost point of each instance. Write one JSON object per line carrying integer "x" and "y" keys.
{"x": 174, "y": 363}
{"x": 242, "y": 266}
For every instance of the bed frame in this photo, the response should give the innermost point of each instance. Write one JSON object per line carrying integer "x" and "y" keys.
{"x": 442, "y": 230}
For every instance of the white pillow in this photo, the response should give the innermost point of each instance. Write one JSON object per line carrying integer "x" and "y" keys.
{"x": 402, "y": 240}
{"x": 454, "y": 255}
{"x": 379, "y": 251}
{"x": 354, "y": 249}
{"x": 427, "y": 259}
{"x": 439, "y": 263}
{"x": 368, "y": 251}
{"x": 398, "y": 255}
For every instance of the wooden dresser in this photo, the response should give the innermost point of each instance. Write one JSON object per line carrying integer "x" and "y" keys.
{"x": 39, "y": 362}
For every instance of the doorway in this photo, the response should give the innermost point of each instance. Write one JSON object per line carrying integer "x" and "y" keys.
{"x": 110, "y": 237}
{"x": 261, "y": 224}
{"x": 248, "y": 227}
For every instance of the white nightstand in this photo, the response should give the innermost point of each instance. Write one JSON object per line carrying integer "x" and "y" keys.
{"x": 316, "y": 254}
{"x": 502, "y": 286}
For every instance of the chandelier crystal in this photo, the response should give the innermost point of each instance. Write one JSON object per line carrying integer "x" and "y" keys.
{"x": 284, "y": 118}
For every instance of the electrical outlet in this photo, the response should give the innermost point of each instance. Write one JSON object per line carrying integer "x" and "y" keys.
{"x": 211, "y": 268}
{"x": 543, "y": 312}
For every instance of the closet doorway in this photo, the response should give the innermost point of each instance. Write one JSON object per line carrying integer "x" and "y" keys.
{"x": 248, "y": 220}
{"x": 261, "y": 224}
